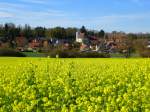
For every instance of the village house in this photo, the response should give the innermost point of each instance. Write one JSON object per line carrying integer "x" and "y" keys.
{"x": 46, "y": 43}
{"x": 83, "y": 40}
{"x": 112, "y": 43}
{"x": 41, "y": 44}
{"x": 21, "y": 43}
{"x": 1, "y": 43}
{"x": 64, "y": 43}
{"x": 35, "y": 44}
{"x": 88, "y": 43}
{"x": 4, "y": 43}
{"x": 66, "y": 46}
{"x": 148, "y": 46}
{"x": 116, "y": 42}
{"x": 94, "y": 43}
{"x": 80, "y": 37}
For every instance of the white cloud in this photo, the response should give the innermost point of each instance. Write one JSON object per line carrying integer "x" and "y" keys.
{"x": 126, "y": 17}
{"x": 6, "y": 15}
{"x": 46, "y": 2}
{"x": 135, "y": 2}
{"x": 11, "y": 5}
{"x": 20, "y": 13}
{"x": 23, "y": 11}
{"x": 35, "y": 1}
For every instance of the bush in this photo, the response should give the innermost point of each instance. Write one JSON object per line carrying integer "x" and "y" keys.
{"x": 76, "y": 54}
{"x": 63, "y": 54}
{"x": 140, "y": 46}
{"x": 94, "y": 55}
{"x": 11, "y": 53}
{"x": 145, "y": 53}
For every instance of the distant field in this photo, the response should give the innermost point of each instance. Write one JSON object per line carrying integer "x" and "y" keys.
{"x": 74, "y": 85}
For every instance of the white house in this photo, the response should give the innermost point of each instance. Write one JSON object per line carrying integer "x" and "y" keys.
{"x": 80, "y": 37}
{"x": 148, "y": 46}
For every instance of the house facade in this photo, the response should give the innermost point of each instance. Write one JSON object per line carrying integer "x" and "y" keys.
{"x": 21, "y": 41}
{"x": 35, "y": 43}
{"x": 80, "y": 37}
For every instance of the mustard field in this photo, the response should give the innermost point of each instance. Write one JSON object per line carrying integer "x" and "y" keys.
{"x": 74, "y": 85}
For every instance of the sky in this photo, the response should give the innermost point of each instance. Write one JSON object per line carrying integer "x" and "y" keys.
{"x": 110, "y": 15}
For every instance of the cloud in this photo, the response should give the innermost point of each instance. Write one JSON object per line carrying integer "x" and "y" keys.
{"x": 135, "y": 2}
{"x": 116, "y": 18}
{"x": 35, "y": 1}
{"x": 124, "y": 22}
{"x": 11, "y": 5}
{"x": 22, "y": 13}
{"x": 125, "y": 17}
{"x": 24, "y": 10}
{"x": 6, "y": 15}
{"x": 50, "y": 12}
{"x": 46, "y": 2}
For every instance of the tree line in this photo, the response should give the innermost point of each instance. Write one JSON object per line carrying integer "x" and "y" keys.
{"x": 10, "y": 31}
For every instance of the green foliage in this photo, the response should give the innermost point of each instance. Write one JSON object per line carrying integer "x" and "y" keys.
{"x": 34, "y": 54}
{"x": 57, "y": 32}
{"x": 74, "y": 85}
{"x": 71, "y": 33}
{"x": 83, "y": 30}
{"x": 40, "y": 32}
{"x": 101, "y": 33}
{"x": 140, "y": 45}
{"x": 76, "y": 54}
{"x": 10, "y": 53}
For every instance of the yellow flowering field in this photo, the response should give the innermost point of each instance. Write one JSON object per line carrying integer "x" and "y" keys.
{"x": 74, "y": 85}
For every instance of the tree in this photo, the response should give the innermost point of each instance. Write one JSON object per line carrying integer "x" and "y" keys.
{"x": 91, "y": 33}
{"x": 40, "y": 32}
{"x": 2, "y": 34}
{"x": 18, "y": 31}
{"x": 57, "y": 32}
{"x": 48, "y": 33}
{"x": 83, "y": 30}
{"x": 71, "y": 33}
{"x": 141, "y": 47}
{"x": 101, "y": 34}
{"x": 132, "y": 36}
{"x": 27, "y": 31}
{"x": 9, "y": 31}
{"x": 128, "y": 47}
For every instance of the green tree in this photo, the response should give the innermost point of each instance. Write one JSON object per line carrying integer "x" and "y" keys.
{"x": 101, "y": 34}
{"x": 141, "y": 47}
{"x": 40, "y": 32}
{"x": 2, "y": 34}
{"x": 132, "y": 36}
{"x": 57, "y": 32}
{"x": 9, "y": 31}
{"x": 71, "y": 33}
{"x": 83, "y": 30}
{"x": 91, "y": 33}
{"x": 27, "y": 31}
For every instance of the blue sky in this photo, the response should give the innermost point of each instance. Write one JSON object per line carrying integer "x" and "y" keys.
{"x": 110, "y": 15}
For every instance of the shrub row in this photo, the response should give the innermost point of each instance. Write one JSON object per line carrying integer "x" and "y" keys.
{"x": 10, "y": 53}
{"x": 76, "y": 54}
